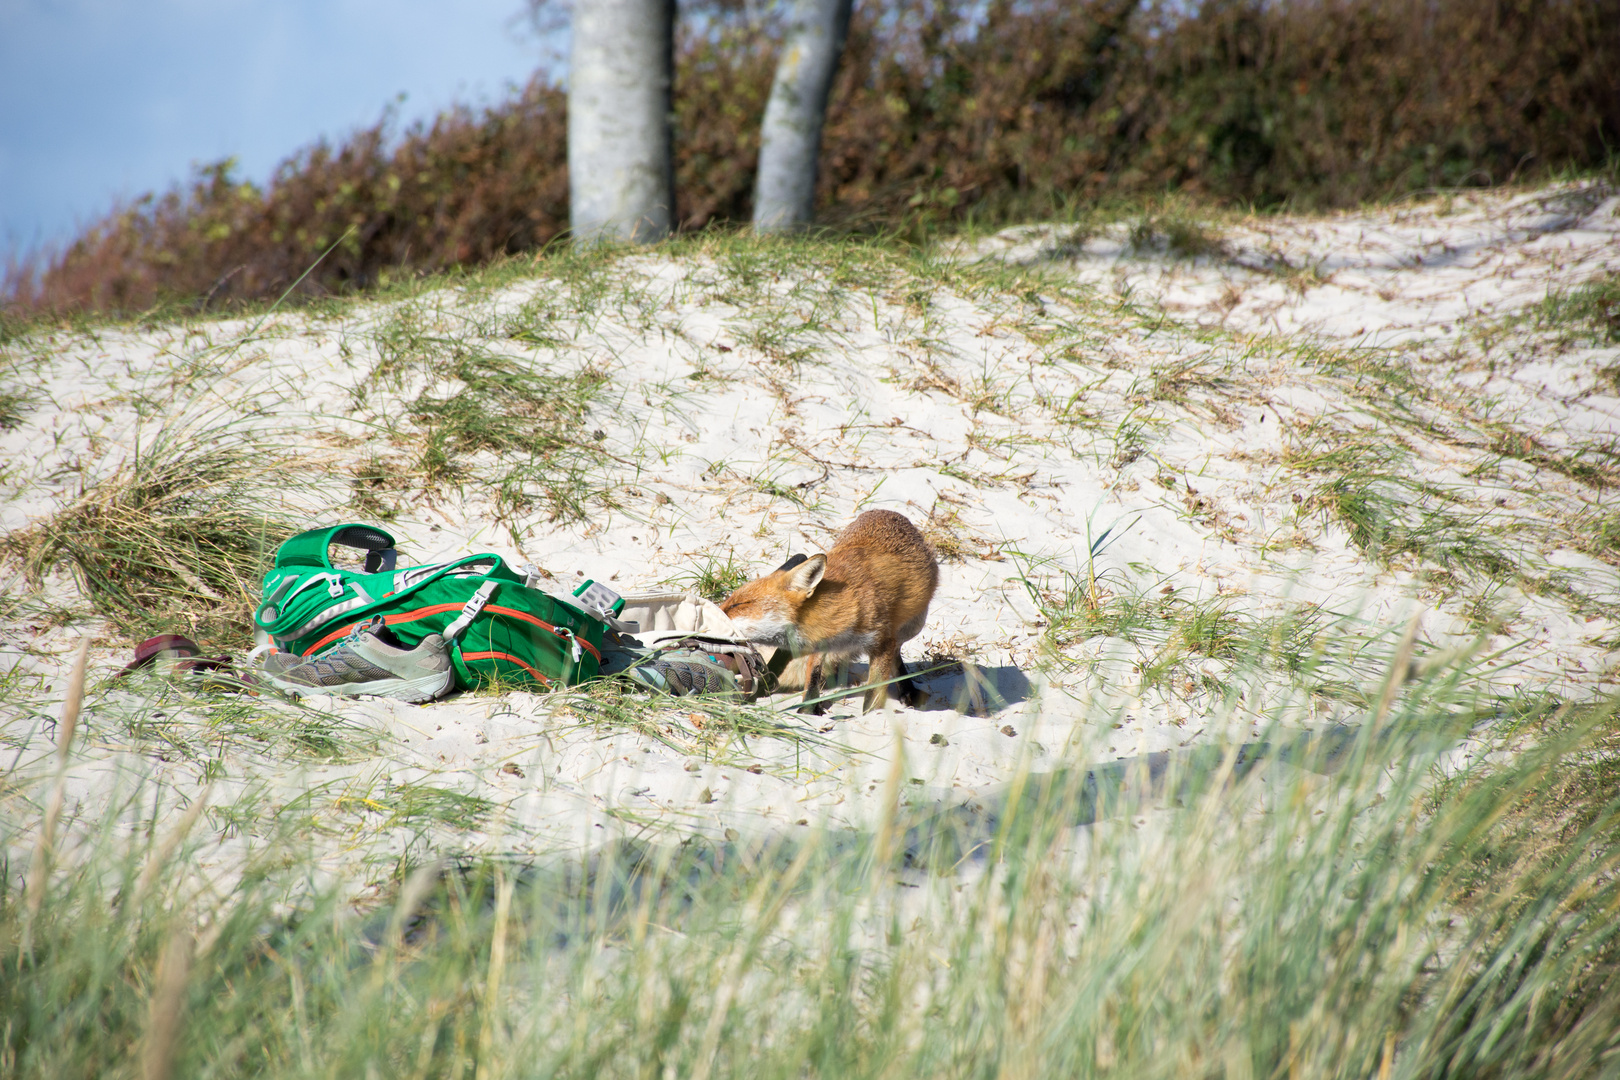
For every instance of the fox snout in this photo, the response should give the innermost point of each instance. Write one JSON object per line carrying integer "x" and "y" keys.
{"x": 766, "y": 610}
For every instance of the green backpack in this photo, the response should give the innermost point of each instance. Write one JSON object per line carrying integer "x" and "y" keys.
{"x": 501, "y": 632}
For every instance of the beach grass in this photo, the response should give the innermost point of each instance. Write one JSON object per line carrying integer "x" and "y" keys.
{"x": 1316, "y": 906}
{"x": 175, "y": 538}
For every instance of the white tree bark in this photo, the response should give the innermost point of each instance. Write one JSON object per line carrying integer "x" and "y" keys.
{"x": 790, "y": 138}
{"x": 621, "y": 177}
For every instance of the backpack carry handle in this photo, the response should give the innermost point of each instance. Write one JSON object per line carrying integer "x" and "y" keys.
{"x": 310, "y": 548}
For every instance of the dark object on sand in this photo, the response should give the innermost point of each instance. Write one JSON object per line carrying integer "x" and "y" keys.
{"x": 185, "y": 654}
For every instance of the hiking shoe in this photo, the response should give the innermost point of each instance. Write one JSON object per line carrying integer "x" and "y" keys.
{"x": 371, "y": 660}
{"x": 682, "y": 672}
{"x": 694, "y": 666}
{"x": 274, "y": 663}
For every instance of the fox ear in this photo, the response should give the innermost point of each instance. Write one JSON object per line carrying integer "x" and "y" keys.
{"x": 807, "y": 575}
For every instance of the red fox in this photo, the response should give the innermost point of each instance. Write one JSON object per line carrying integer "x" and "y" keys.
{"x": 869, "y": 594}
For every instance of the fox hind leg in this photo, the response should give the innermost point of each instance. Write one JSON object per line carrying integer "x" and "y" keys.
{"x": 887, "y": 664}
{"x": 884, "y": 665}
{"x": 907, "y": 688}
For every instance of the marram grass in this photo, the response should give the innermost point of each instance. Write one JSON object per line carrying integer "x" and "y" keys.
{"x": 1358, "y": 903}
{"x": 177, "y": 537}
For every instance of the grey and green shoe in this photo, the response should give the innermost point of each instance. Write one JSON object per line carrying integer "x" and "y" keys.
{"x": 371, "y": 660}
{"x": 698, "y": 667}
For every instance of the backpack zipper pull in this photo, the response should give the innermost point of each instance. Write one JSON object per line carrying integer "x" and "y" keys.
{"x": 573, "y": 641}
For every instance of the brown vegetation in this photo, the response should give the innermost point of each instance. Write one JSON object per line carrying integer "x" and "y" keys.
{"x": 1041, "y": 107}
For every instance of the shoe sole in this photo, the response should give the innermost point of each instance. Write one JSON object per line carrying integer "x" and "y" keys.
{"x": 416, "y": 691}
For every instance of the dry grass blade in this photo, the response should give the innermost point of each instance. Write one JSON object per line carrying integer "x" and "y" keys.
{"x": 40, "y": 866}
{"x": 167, "y": 1007}
{"x": 1399, "y": 671}
{"x": 497, "y": 966}
{"x": 888, "y": 822}
{"x": 411, "y": 894}
{"x": 171, "y": 843}
{"x": 72, "y": 702}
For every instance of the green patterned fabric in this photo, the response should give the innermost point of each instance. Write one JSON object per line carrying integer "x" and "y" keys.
{"x": 501, "y": 632}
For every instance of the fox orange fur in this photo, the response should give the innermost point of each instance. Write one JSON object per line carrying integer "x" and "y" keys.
{"x": 869, "y": 594}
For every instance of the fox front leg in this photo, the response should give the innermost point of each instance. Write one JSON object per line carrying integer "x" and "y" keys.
{"x": 815, "y": 685}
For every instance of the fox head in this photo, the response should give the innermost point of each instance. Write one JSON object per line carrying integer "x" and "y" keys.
{"x": 766, "y": 610}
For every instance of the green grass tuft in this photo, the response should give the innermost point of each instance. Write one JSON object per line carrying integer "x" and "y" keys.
{"x": 519, "y": 425}
{"x": 1173, "y": 229}
{"x": 712, "y": 578}
{"x": 176, "y": 539}
{"x": 1588, "y": 312}
{"x": 14, "y": 408}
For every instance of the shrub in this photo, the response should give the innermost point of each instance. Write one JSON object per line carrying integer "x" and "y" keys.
{"x": 943, "y": 113}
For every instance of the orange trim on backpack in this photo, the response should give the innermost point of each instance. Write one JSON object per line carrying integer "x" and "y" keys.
{"x": 435, "y": 609}
{"x": 497, "y": 609}
{"x": 388, "y": 620}
{"x": 505, "y": 656}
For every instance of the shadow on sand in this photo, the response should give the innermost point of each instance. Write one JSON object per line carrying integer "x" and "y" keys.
{"x": 949, "y": 684}
{"x": 630, "y": 879}
{"x": 974, "y": 689}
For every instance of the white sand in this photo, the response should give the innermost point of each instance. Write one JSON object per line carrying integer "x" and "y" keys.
{"x": 1183, "y": 436}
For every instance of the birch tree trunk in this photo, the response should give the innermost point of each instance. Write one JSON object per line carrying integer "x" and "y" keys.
{"x": 790, "y": 138}
{"x": 621, "y": 177}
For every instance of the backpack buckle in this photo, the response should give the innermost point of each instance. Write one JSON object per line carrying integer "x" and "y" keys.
{"x": 470, "y": 610}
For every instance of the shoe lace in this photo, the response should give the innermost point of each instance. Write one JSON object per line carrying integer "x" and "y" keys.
{"x": 371, "y": 625}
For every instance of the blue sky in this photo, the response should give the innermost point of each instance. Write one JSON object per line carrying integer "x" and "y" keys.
{"x": 106, "y": 99}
